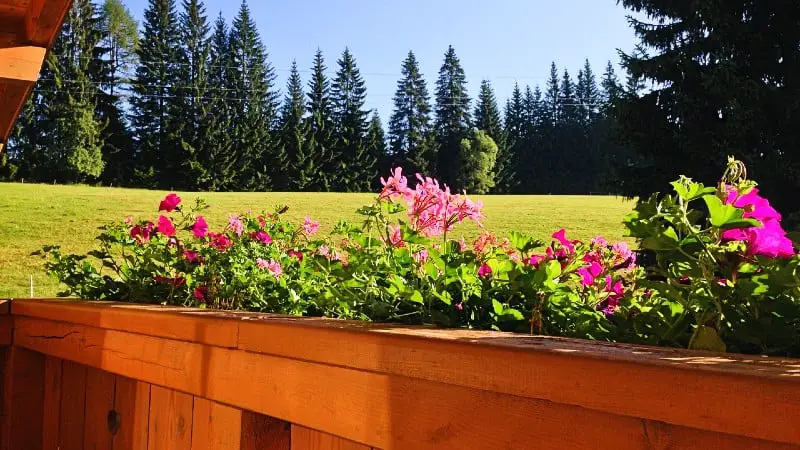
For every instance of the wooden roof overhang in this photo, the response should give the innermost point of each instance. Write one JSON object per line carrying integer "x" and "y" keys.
{"x": 27, "y": 30}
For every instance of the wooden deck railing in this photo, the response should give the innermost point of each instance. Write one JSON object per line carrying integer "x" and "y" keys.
{"x": 82, "y": 375}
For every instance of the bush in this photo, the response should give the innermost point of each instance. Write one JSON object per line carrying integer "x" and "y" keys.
{"x": 723, "y": 274}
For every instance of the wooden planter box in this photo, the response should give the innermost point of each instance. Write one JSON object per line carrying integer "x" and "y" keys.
{"x": 81, "y": 375}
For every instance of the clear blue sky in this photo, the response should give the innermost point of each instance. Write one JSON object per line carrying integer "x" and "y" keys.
{"x": 501, "y": 40}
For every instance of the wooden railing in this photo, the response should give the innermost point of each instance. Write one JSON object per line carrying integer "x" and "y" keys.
{"x": 82, "y": 375}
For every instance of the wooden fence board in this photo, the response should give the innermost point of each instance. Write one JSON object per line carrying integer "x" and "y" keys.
{"x": 100, "y": 387}
{"x": 132, "y": 403}
{"x": 260, "y": 432}
{"x": 51, "y": 423}
{"x": 73, "y": 405}
{"x": 23, "y": 400}
{"x": 215, "y": 426}
{"x": 307, "y": 439}
{"x": 170, "y": 420}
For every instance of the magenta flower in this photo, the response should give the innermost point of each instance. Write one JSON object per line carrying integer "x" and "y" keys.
{"x": 165, "y": 226}
{"x": 200, "y": 227}
{"x": 170, "y": 202}
{"x": 142, "y": 233}
{"x": 767, "y": 240}
{"x": 309, "y": 226}
{"x": 589, "y": 273}
{"x": 394, "y": 186}
{"x": 262, "y": 237}
{"x": 295, "y": 254}
{"x": 561, "y": 236}
{"x": 192, "y": 257}
{"x": 599, "y": 241}
{"x": 220, "y": 242}
{"x": 396, "y": 236}
{"x": 201, "y": 293}
{"x": 535, "y": 260}
{"x": 235, "y": 224}
{"x": 273, "y": 266}
{"x": 484, "y": 271}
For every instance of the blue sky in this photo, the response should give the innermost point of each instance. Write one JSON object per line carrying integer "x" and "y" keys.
{"x": 501, "y": 40}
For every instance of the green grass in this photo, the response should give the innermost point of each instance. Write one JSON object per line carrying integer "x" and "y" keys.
{"x": 35, "y": 215}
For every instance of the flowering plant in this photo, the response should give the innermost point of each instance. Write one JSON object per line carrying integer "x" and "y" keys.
{"x": 723, "y": 272}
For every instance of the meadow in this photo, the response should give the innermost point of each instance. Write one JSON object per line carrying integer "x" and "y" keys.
{"x": 33, "y": 215}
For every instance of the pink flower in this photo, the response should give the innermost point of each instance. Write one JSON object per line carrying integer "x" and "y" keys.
{"x": 396, "y": 236}
{"x": 484, "y": 271}
{"x": 262, "y": 237}
{"x": 462, "y": 244}
{"x": 192, "y": 257}
{"x": 755, "y": 206}
{"x": 165, "y": 226}
{"x": 589, "y": 273}
{"x": 324, "y": 250}
{"x": 599, "y": 241}
{"x": 170, "y": 202}
{"x": 220, "y": 242}
{"x": 421, "y": 256}
{"x": 309, "y": 226}
{"x": 484, "y": 241}
{"x": 174, "y": 281}
{"x": 623, "y": 253}
{"x": 459, "y": 306}
{"x": 235, "y": 224}
{"x": 128, "y": 220}
{"x": 200, "y": 227}
{"x": 535, "y": 260}
{"x": 201, "y": 293}
{"x": 614, "y": 288}
{"x": 295, "y": 254}
{"x": 142, "y": 233}
{"x": 561, "y": 236}
{"x": 394, "y": 186}
{"x": 273, "y": 266}
{"x": 767, "y": 240}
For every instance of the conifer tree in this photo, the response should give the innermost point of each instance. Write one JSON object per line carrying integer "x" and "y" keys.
{"x": 552, "y": 97}
{"x": 348, "y": 95}
{"x": 512, "y": 162}
{"x": 254, "y": 115}
{"x": 452, "y": 117}
{"x": 410, "y": 125}
{"x": 376, "y": 147}
{"x": 155, "y": 103}
{"x": 536, "y": 153}
{"x": 487, "y": 114}
{"x": 319, "y": 160}
{"x": 293, "y": 134}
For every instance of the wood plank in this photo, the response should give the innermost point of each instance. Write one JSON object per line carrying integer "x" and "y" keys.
{"x": 43, "y": 21}
{"x": 260, "y": 432}
{"x": 378, "y": 410}
{"x": 307, "y": 439}
{"x": 6, "y": 330}
{"x": 5, "y": 306}
{"x": 169, "y": 322}
{"x": 132, "y": 403}
{"x": 21, "y": 64}
{"x": 12, "y": 99}
{"x": 73, "y": 405}
{"x": 23, "y": 400}
{"x": 170, "y": 420}
{"x": 52, "y": 403}
{"x": 215, "y": 426}
{"x": 100, "y": 386}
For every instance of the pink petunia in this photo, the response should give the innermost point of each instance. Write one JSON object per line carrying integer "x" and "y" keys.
{"x": 192, "y": 257}
{"x": 566, "y": 244}
{"x": 170, "y": 202}
{"x": 165, "y": 226}
{"x": 142, "y": 233}
{"x": 309, "y": 226}
{"x": 200, "y": 227}
{"x": 295, "y": 254}
{"x": 220, "y": 242}
{"x": 484, "y": 271}
{"x": 262, "y": 237}
{"x": 535, "y": 260}
{"x": 273, "y": 266}
{"x": 589, "y": 273}
{"x": 201, "y": 293}
{"x": 235, "y": 224}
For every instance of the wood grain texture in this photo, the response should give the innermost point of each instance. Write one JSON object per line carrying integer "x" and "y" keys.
{"x": 260, "y": 432}
{"x": 23, "y": 400}
{"x": 21, "y": 64}
{"x": 51, "y": 422}
{"x": 73, "y": 405}
{"x": 170, "y": 420}
{"x": 378, "y": 410}
{"x": 307, "y": 439}
{"x": 132, "y": 403}
{"x": 12, "y": 99}
{"x": 100, "y": 387}
{"x": 215, "y": 426}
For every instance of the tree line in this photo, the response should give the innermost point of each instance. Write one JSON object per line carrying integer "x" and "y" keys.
{"x": 187, "y": 103}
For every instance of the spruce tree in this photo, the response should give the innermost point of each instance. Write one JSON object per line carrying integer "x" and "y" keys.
{"x": 255, "y": 105}
{"x": 293, "y": 134}
{"x": 512, "y": 164}
{"x": 193, "y": 88}
{"x": 320, "y": 141}
{"x": 354, "y": 164}
{"x": 537, "y": 155}
{"x": 120, "y": 39}
{"x": 487, "y": 114}
{"x": 410, "y": 125}
{"x": 552, "y": 97}
{"x": 216, "y": 161}
{"x": 156, "y": 102}
{"x": 452, "y": 117}
{"x": 377, "y": 150}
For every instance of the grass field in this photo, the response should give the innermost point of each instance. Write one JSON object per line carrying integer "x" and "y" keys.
{"x": 35, "y": 215}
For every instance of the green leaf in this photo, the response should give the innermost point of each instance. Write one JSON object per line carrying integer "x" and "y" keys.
{"x": 553, "y": 269}
{"x": 706, "y": 338}
{"x": 727, "y": 216}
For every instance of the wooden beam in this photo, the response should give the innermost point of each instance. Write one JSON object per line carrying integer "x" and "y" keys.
{"x": 43, "y": 21}
{"x": 21, "y": 64}
{"x": 12, "y": 99}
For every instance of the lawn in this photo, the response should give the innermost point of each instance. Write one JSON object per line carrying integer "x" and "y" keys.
{"x": 34, "y": 215}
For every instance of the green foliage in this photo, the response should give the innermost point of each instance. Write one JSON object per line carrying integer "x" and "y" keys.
{"x": 476, "y": 162}
{"x": 452, "y": 116}
{"x": 410, "y": 125}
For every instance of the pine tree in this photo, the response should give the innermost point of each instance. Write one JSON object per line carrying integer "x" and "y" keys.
{"x": 611, "y": 89}
{"x": 348, "y": 95}
{"x": 193, "y": 88}
{"x": 319, "y": 160}
{"x": 452, "y": 117}
{"x": 410, "y": 124}
{"x": 552, "y": 97}
{"x": 293, "y": 129}
{"x": 487, "y": 114}
{"x": 588, "y": 95}
{"x": 536, "y": 154}
{"x": 376, "y": 148}
{"x": 155, "y": 103}
{"x": 255, "y": 106}
{"x": 216, "y": 161}
{"x": 120, "y": 39}
{"x": 513, "y": 160}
